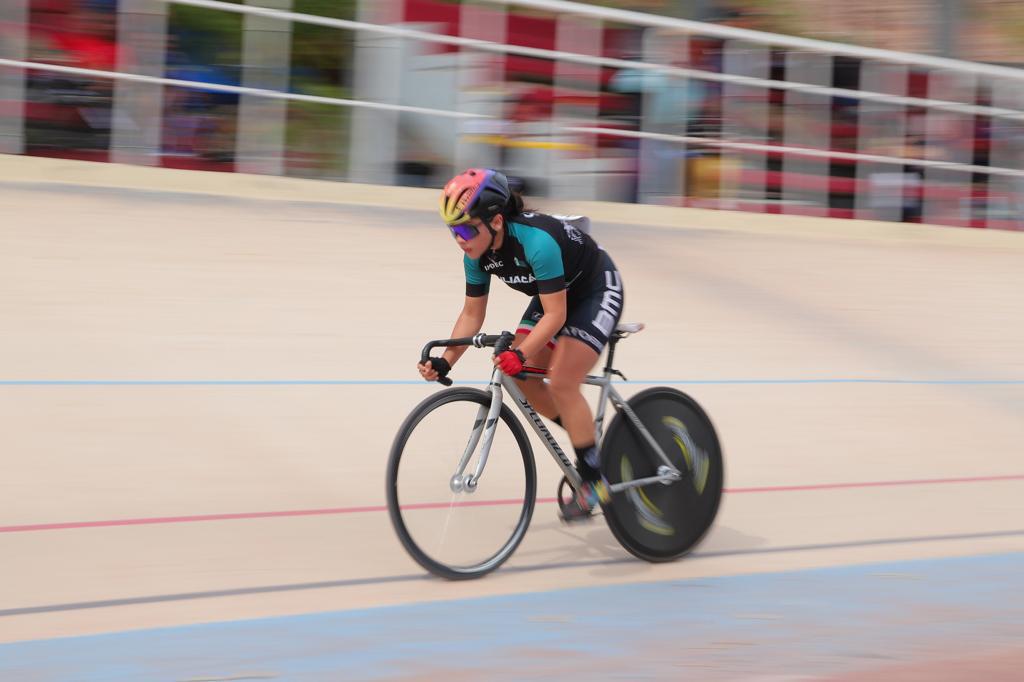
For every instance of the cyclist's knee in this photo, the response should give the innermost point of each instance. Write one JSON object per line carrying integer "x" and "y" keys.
{"x": 563, "y": 385}
{"x": 567, "y": 377}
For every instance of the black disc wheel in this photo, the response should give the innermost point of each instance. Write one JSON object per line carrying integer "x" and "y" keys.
{"x": 657, "y": 521}
{"x": 453, "y": 529}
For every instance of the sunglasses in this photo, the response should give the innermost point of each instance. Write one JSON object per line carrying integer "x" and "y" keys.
{"x": 464, "y": 230}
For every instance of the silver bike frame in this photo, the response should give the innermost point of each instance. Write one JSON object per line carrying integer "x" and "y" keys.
{"x": 484, "y": 427}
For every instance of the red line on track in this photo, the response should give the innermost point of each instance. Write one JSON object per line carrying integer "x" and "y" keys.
{"x": 73, "y": 525}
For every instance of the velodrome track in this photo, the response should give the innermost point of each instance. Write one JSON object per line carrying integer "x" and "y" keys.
{"x": 202, "y": 374}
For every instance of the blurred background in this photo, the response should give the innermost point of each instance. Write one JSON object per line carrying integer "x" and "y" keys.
{"x": 203, "y": 381}
{"x": 912, "y": 110}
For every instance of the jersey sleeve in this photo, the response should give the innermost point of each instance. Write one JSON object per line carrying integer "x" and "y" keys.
{"x": 545, "y": 258}
{"x": 477, "y": 281}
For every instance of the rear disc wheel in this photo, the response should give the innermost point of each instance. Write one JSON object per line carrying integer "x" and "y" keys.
{"x": 661, "y": 522}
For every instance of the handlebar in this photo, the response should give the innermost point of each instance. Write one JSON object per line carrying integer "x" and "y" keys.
{"x": 500, "y": 342}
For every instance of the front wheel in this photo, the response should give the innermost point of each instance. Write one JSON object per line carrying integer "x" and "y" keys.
{"x": 659, "y": 522}
{"x": 450, "y": 531}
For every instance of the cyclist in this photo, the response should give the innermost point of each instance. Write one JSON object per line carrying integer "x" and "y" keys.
{"x": 577, "y": 299}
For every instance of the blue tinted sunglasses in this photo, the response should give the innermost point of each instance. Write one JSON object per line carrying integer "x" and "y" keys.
{"x": 464, "y": 230}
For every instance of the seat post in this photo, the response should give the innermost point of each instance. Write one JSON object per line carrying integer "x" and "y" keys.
{"x": 620, "y": 332}
{"x": 614, "y": 339}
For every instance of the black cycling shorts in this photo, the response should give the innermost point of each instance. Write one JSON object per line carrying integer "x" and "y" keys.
{"x": 592, "y": 315}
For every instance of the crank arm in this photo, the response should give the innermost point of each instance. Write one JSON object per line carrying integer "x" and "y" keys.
{"x": 665, "y": 479}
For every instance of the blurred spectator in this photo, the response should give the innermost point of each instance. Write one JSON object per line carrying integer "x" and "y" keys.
{"x": 198, "y": 124}
{"x": 91, "y": 34}
{"x": 321, "y": 64}
{"x": 64, "y": 111}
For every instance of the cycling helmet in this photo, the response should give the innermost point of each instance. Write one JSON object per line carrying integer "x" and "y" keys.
{"x": 477, "y": 193}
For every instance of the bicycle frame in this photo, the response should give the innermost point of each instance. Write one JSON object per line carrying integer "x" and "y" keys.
{"x": 483, "y": 429}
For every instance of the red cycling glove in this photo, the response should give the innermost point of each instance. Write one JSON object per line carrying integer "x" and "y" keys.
{"x": 511, "y": 362}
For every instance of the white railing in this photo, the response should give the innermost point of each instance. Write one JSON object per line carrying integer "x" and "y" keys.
{"x": 677, "y": 72}
{"x": 745, "y": 115}
{"x": 761, "y": 38}
{"x": 798, "y": 151}
{"x": 231, "y": 89}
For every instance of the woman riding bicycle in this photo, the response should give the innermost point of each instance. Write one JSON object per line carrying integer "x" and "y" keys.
{"x": 577, "y": 299}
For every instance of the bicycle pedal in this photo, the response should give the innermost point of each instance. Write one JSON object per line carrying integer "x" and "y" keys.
{"x": 569, "y": 514}
{"x": 574, "y": 520}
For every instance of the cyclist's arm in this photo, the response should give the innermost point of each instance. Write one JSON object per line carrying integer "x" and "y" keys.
{"x": 553, "y": 320}
{"x": 545, "y": 259}
{"x": 470, "y": 321}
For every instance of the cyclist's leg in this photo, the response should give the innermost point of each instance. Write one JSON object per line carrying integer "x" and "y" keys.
{"x": 588, "y": 326}
{"x": 571, "y": 360}
{"x": 536, "y": 391}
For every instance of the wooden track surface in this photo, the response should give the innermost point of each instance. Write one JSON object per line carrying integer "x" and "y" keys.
{"x": 828, "y": 353}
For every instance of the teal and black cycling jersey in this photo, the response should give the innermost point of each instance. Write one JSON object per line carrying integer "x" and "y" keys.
{"x": 541, "y": 254}
{"x": 544, "y": 254}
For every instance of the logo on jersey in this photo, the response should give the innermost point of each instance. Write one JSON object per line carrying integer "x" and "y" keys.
{"x": 583, "y": 335}
{"x": 611, "y": 303}
{"x": 493, "y": 265}
{"x": 519, "y": 263}
{"x": 572, "y": 233}
{"x": 518, "y": 279}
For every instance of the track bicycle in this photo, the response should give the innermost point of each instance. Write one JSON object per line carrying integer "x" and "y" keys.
{"x": 660, "y": 456}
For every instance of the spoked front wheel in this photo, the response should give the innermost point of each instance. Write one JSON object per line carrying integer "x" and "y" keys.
{"x": 454, "y": 531}
{"x": 657, "y": 521}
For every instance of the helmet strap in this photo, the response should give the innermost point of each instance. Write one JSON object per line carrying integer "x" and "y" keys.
{"x": 494, "y": 233}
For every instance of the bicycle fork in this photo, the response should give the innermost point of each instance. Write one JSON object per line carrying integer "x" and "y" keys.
{"x": 484, "y": 426}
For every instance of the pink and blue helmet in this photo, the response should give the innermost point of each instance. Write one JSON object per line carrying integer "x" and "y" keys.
{"x": 476, "y": 193}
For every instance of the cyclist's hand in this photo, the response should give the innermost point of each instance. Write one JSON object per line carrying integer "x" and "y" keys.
{"x": 511, "y": 362}
{"x": 434, "y": 369}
